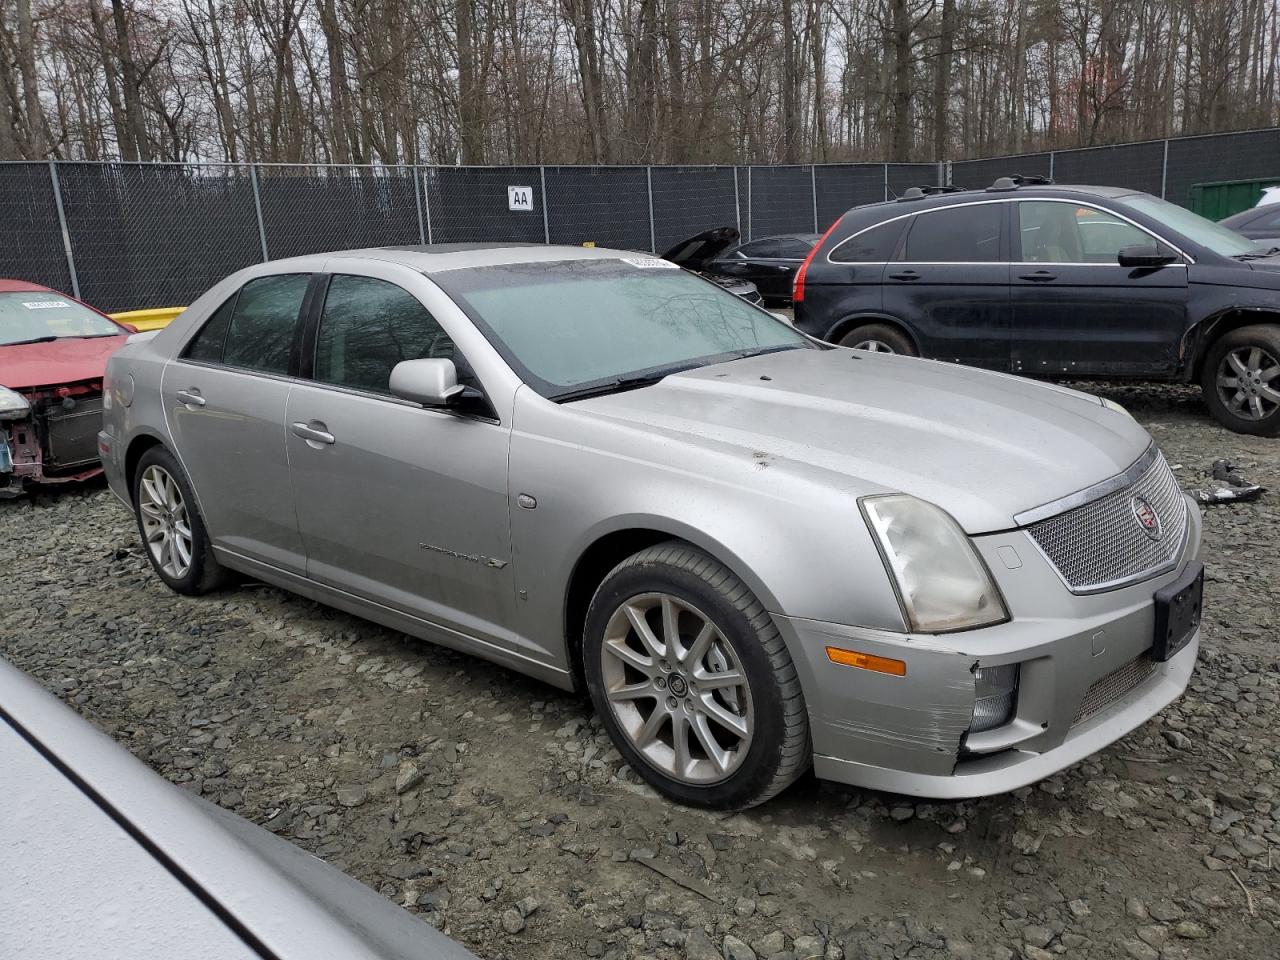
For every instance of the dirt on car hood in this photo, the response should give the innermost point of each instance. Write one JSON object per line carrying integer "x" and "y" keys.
{"x": 983, "y": 446}
{"x": 66, "y": 360}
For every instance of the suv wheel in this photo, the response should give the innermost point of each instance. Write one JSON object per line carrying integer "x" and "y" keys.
{"x": 171, "y": 527}
{"x": 878, "y": 338}
{"x": 693, "y": 680}
{"x": 1241, "y": 380}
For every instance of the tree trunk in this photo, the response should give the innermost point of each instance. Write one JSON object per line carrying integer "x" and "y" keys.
{"x": 942, "y": 81}
{"x": 901, "y": 151}
{"x": 37, "y": 147}
{"x": 134, "y": 121}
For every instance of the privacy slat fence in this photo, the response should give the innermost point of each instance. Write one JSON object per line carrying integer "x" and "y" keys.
{"x": 125, "y": 236}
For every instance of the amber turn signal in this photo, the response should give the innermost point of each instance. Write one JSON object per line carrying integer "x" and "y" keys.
{"x": 867, "y": 661}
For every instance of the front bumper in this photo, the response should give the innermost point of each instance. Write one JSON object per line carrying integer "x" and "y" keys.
{"x": 1084, "y": 683}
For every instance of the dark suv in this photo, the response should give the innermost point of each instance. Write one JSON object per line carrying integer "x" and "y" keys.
{"x": 1056, "y": 281}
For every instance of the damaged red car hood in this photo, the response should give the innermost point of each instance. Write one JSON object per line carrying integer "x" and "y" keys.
{"x": 67, "y": 360}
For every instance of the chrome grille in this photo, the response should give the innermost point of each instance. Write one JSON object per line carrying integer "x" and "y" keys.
{"x": 1107, "y": 690}
{"x": 1101, "y": 544}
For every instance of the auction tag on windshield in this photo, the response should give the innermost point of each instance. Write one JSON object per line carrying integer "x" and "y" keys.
{"x": 45, "y": 304}
{"x": 650, "y": 263}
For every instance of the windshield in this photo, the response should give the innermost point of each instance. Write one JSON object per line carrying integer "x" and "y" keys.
{"x": 575, "y": 324}
{"x": 41, "y": 315}
{"x": 1194, "y": 227}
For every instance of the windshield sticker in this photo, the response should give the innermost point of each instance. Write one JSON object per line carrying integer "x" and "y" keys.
{"x": 45, "y": 304}
{"x": 650, "y": 263}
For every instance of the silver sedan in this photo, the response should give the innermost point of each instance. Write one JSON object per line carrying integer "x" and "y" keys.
{"x": 755, "y": 551}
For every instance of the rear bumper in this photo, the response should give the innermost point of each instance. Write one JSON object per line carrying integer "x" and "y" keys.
{"x": 1085, "y": 681}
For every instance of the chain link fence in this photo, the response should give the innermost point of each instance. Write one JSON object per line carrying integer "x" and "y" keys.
{"x": 125, "y": 236}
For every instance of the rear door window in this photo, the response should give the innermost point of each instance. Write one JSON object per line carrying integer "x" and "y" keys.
{"x": 876, "y": 245}
{"x": 969, "y": 233}
{"x": 760, "y": 249}
{"x": 370, "y": 325}
{"x": 263, "y": 323}
{"x": 792, "y": 249}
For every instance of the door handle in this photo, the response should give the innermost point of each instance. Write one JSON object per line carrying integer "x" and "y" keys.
{"x": 1040, "y": 276}
{"x": 191, "y": 397}
{"x": 313, "y": 434}
{"x": 905, "y": 275}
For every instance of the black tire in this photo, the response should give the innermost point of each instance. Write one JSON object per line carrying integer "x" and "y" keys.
{"x": 204, "y": 573}
{"x": 883, "y": 333}
{"x": 779, "y": 750}
{"x": 1264, "y": 337}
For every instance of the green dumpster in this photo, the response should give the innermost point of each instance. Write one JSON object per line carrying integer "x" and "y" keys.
{"x": 1217, "y": 200}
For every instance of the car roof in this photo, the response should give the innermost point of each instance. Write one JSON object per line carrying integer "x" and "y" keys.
{"x": 22, "y": 286}
{"x": 1028, "y": 191}
{"x": 441, "y": 257}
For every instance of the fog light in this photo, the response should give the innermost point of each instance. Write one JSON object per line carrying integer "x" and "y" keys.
{"x": 995, "y": 691}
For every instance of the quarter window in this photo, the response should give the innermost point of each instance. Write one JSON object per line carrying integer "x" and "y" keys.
{"x": 207, "y": 344}
{"x": 871, "y": 246}
{"x": 367, "y": 327}
{"x": 1066, "y": 233}
{"x": 969, "y": 233}
{"x": 260, "y": 336}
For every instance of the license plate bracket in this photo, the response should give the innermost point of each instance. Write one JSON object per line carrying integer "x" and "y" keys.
{"x": 1177, "y": 612}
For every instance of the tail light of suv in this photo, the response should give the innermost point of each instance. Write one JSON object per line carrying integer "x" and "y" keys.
{"x": 797, "y": 286}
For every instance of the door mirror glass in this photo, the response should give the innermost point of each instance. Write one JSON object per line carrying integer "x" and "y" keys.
{"x": 430, "y": 382}
{"x": 1144, "y": 255}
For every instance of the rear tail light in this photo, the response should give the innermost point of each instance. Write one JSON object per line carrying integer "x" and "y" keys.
{"x": 797, "y": 287}
{"x": 995, "y": 692}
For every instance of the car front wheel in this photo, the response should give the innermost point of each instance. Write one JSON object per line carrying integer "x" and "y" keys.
{"x": 1241, "y": 380}
{"x": 693, "y": 680}
{"x": 171, "y": 527}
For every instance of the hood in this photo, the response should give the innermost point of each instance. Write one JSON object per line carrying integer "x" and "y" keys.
{"x": 697, "y": 251}
{"x": 67, "y": 360}
{"x": 982, "y": 446}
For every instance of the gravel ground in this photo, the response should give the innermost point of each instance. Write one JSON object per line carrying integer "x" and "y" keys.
{"x": 495, "y": 808}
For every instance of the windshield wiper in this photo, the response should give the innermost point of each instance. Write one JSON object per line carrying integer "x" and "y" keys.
{"x": 762, "y": 351}
{"x": 1260, "y": 255}
{"x": 18, "y": 343}
{"x": 618, "y": 385}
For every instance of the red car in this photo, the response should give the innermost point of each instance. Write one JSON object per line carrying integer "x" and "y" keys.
{"x": 53, "y": 353}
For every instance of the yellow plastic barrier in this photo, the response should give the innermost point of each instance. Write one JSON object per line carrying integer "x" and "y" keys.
{"x": 144, "y": 320}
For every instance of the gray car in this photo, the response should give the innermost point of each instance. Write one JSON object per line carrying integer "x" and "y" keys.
{"x": 105, "y": 860}
{"x": 756, "y": 551}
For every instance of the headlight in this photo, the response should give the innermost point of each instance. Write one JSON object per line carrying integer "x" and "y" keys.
{"x": 941, "y": 580}
{"x": 13, "y": 406}
{"x": 1112, "y": 405}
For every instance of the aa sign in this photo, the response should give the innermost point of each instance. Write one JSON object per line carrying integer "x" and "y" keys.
{"x": 520, "y": 198}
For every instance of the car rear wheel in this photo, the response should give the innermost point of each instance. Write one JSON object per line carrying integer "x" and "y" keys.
{"x": 1241, "y": 380}
{"x": 693, "y": 680}
{"x": 879, "y": 338}
{"x": 171, "y": 527}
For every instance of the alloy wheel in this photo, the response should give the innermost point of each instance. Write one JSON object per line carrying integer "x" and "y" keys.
{"x": 166, "y": 526}
{"x": 1248, "y": 383}
{"x": 875, "y": 346}
{"x": 677, "y": 688}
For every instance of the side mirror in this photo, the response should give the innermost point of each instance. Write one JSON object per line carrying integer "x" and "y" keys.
{"x": 430, "y": 382}
{"x": 783, "y": 317}
{"x": 128, "y": 327}
{"x": 1144, "y": 255}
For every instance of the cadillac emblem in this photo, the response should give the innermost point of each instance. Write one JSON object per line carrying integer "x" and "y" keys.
{"x": 1147, "y": 518}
